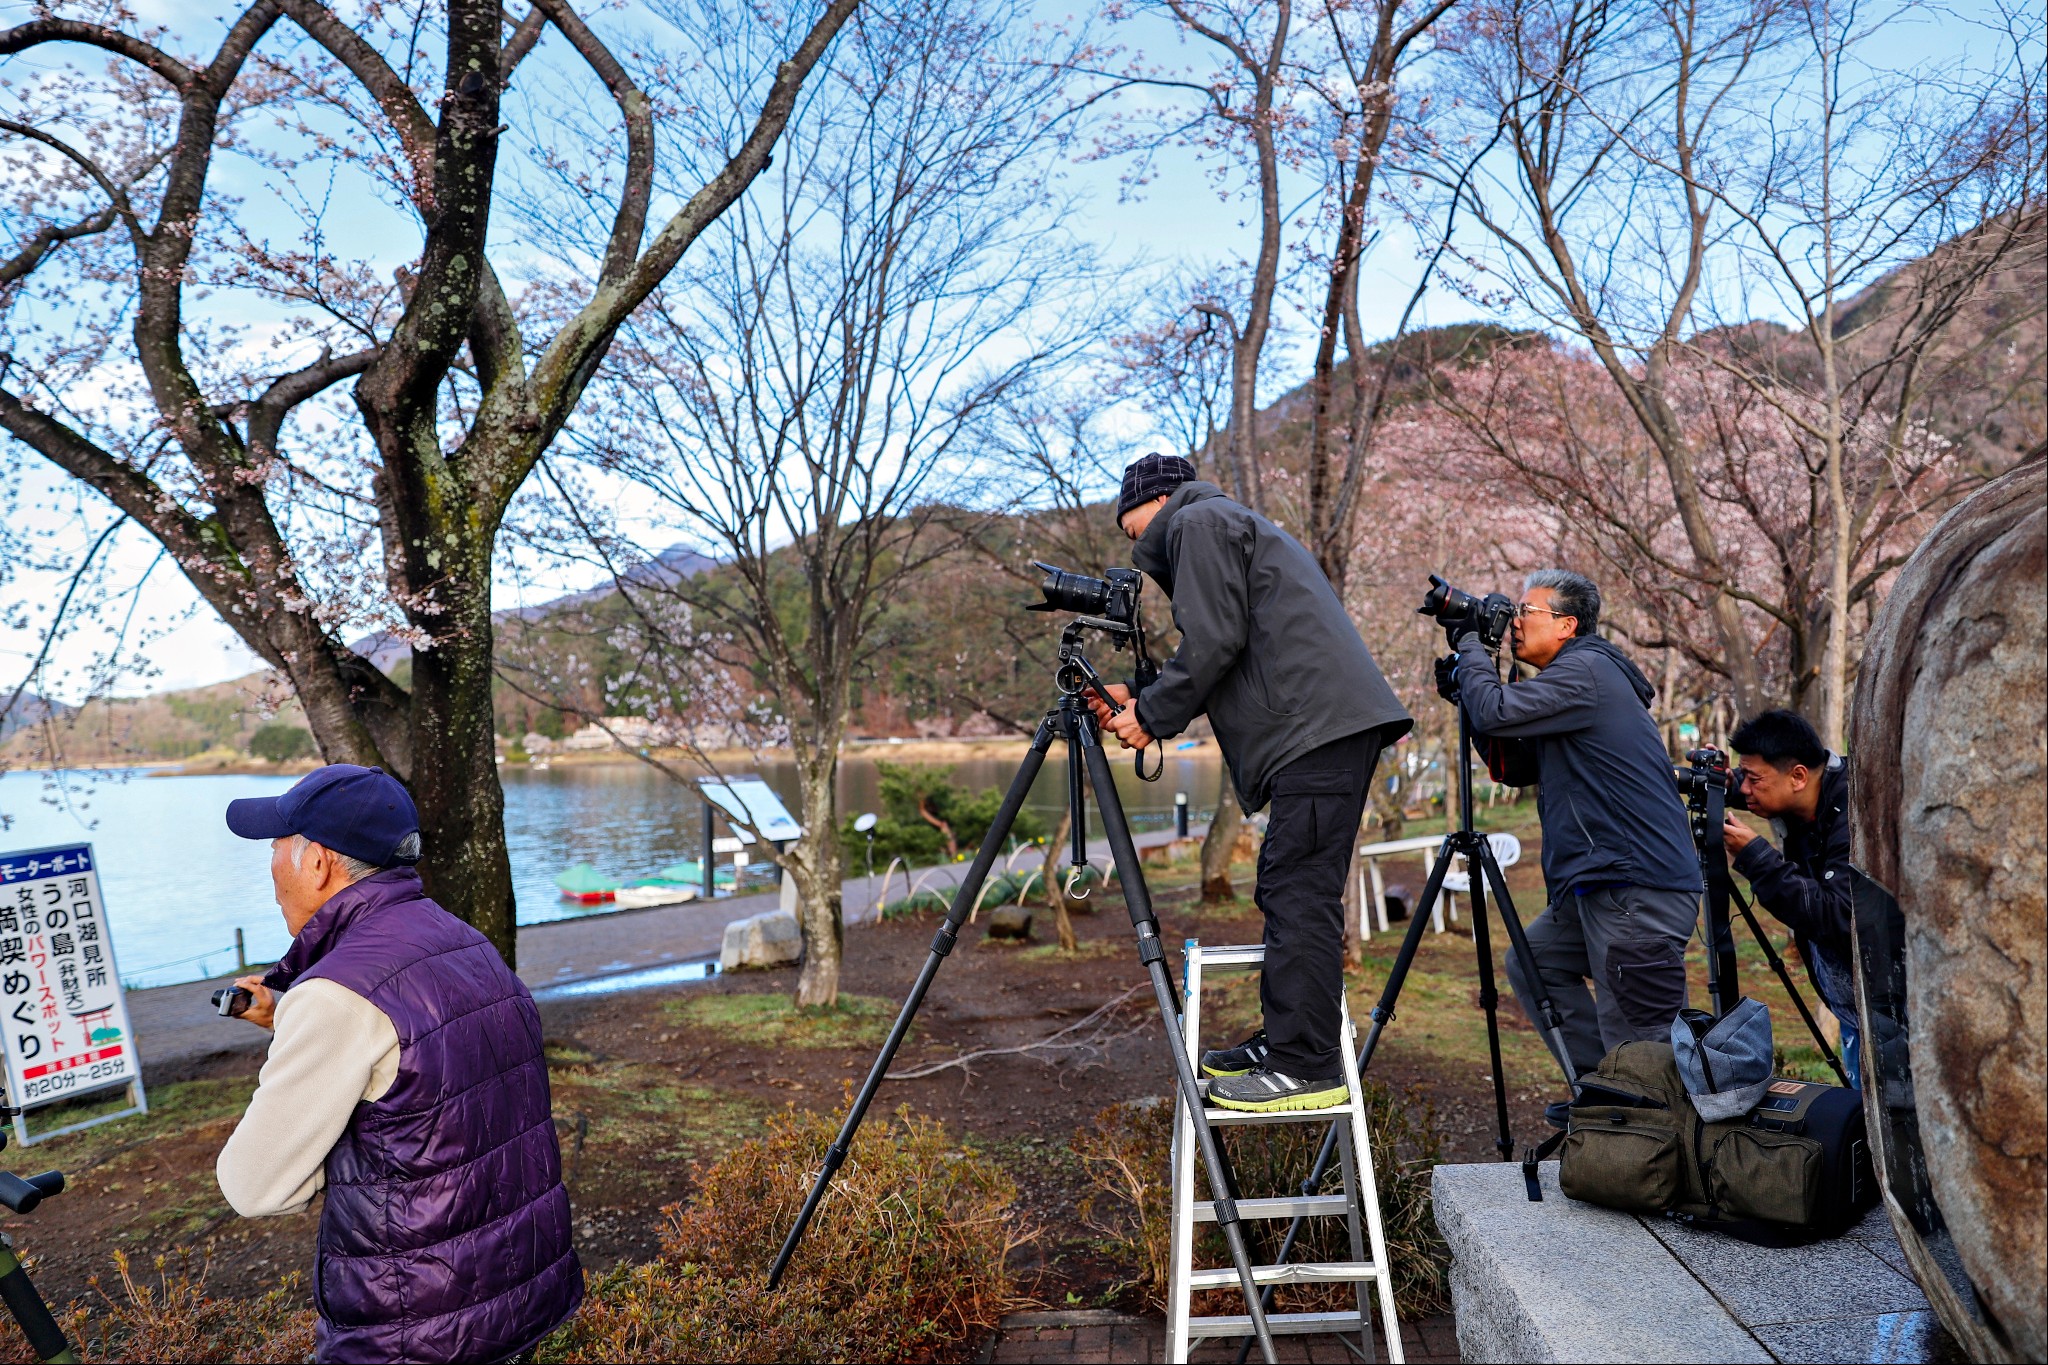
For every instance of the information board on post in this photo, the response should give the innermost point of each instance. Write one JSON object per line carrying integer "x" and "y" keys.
{"x": 63, "y": 1018}
{"x": 752, "y": 800}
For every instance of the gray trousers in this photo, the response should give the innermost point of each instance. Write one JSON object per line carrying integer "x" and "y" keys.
{"x": 1630, "y": 943}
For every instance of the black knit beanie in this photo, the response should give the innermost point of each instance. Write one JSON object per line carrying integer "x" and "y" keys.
{"x": 1148, "y": 476}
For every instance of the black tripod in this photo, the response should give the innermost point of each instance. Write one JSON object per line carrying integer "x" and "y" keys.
{"x": 1072, "y": 722}
{"x": 45, "y": 1337}
{"x": 1484, "y": 871}
{"x": 1706, "y": 803}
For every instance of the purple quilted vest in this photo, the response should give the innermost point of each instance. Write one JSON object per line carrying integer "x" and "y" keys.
{"x": 446, "y": 1231}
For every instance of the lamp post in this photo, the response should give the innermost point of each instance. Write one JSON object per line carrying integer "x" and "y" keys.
{"x": 865, "y": 824}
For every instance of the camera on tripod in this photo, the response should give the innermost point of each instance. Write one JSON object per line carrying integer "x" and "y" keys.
{"x": 1490, "y": 615}
{"x": 1112, "y": 597}
{"x": 1710, "y": 768}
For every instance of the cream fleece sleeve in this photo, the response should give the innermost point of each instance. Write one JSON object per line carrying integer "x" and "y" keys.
{"x": 332, "y": 1050}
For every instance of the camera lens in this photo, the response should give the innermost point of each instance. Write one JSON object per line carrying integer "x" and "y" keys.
{"x": 1065, "y": 591}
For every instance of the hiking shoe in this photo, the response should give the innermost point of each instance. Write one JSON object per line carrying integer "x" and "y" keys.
{"x": 1265, "y": 1091}
{"x": 1558, "y": 1115}
{"x": 1235, "y": 1061}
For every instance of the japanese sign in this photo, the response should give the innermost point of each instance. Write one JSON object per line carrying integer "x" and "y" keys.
{"x": 62, "y": 1015}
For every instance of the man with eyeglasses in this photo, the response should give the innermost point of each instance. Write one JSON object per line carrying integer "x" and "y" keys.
{"x": 1618, "y": 861}
{"x": 1788, "y": 776}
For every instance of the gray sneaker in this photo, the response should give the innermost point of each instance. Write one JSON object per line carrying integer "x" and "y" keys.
{"x": 1265, "y": 1091}
{"x": 1236, "y": 1061}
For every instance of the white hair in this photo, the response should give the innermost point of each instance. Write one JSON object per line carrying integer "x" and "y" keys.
{"x": 355, "y": 868}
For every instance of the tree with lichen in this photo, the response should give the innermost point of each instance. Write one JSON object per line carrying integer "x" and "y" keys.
{"x": 127, "y": 288}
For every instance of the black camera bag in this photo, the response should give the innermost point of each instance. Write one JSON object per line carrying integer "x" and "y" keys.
{"x": 1794, "y": 1169}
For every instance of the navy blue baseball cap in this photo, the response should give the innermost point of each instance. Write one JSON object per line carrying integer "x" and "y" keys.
{"x": 361, "y": 812}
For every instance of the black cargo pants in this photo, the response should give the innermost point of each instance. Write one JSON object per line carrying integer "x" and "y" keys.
{"x": 1318, "y": 800}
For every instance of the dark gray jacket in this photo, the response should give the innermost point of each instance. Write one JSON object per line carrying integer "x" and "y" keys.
{"x": 1265, "y": 646}
{"x": 1582, "y": 729}
{"x": 1807, "y": 887}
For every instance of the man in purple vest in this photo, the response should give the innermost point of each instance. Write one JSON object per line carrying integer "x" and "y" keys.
{"x": 406, "y": 1077}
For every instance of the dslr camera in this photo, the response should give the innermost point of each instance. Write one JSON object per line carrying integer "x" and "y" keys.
{"x": 1709, "y": 767}
{"x": 1112, "y": 597}
{"x": 1490, "y": 615}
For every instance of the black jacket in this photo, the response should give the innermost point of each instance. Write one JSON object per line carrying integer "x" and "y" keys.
{"x": 1807, "y": 886}
{"x": 1582, "y": 729}
{"x": 1266, "y": 648}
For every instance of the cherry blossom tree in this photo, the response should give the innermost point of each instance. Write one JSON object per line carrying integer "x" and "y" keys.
{"x": 211, "y": 244}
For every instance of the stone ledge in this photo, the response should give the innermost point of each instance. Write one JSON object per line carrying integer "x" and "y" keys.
{"x": 1565, "y": 1281}
{"x": 1561, "y": 1280}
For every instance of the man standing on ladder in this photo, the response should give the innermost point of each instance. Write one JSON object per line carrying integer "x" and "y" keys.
{"x": 1301, "y": 713}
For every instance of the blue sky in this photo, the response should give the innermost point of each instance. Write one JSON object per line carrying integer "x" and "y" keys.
{"x": 1181, "y": 216}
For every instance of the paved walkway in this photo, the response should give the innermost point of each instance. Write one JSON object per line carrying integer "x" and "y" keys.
{"x": 176, "y": 1026}
{"x": 1096, "y": 1337}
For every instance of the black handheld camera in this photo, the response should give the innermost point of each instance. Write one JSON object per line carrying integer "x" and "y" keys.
{"x": 232, "y": 1002}
{"x": 1490, "y": 615}
{"x": 1113, "y": 597}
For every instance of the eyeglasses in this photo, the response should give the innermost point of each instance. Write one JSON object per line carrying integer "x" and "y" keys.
{"x": 1524, "y": 610}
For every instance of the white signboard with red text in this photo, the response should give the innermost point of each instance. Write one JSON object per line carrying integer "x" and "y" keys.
{"x": 63, "y": 1019}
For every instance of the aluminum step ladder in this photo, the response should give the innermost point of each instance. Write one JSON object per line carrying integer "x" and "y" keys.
{"x": 1358, "y": 1204}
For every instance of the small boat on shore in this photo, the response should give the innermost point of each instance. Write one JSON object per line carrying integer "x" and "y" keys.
{"x": 586, "y": 885}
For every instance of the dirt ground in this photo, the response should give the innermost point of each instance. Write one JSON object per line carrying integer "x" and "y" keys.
{"x": 648, "y": 1082}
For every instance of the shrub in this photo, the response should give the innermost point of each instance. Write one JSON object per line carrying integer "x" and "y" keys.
{"x": 924, "y": 902}
{"x": 174, "y": 1320}
{"x": 906, "y": 1259}
{"x": 1126, "y": 1155}
{"x": 913, "y": 797}
{"x": 280, "y": 743}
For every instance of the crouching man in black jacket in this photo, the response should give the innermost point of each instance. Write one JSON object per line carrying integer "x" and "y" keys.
{"x": 1787, "y": 775}
{"x": 1301, "y": 713}
{"x": 1618, "y": 861}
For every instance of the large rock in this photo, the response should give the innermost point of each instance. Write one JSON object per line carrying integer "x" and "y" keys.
{"x": 766, "y": 940}
{"x": 1950, "y": 803}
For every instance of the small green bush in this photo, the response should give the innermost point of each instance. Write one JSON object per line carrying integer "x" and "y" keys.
{"x": 910, "y": 795}
{"x": 925, "y": 902}
{"x": 1126, "y": 1154}
{"x": 905, "y": 1261}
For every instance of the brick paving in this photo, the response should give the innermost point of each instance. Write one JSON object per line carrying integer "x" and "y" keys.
{"x": 1096, "y": 1337}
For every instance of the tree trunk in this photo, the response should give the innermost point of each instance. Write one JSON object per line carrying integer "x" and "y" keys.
{"x": 1218, "y": 845}
{"x": 1055, "y": 894}
{"x": 466, "y": 866}
{"x": 1354, "y": 904}
{"x": 814, "y": 861}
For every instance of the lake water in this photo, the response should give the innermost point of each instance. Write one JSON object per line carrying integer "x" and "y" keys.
{"x": 178, "y": 885}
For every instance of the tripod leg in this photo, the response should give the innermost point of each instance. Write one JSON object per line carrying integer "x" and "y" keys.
{"x": 1383, "y": 1012}
{"x": 1763, "y": 941}
{"x": 1489, "y": 994}
{"x": 45, "y": 1337}
{"x": 1518, "y": 944}
{"x": 1139, "y": 901}
{"x": 942, "y": 945}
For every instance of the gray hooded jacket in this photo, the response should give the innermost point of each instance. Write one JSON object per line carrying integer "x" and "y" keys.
{"x": 1266, "y": 648}
{"x": 1607, "y": 796}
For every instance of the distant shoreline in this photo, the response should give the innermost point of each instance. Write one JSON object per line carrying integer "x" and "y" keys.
{"x": 885, "y": 750}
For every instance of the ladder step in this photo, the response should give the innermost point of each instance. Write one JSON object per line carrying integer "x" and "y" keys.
{"x": 1281, "y": 1324}
{"x": 1220, "y": 1117}
{"x": 1303, "y": 1272}
{"x": 1237, "y": 958}
{"x": 1298, "y": 1206}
